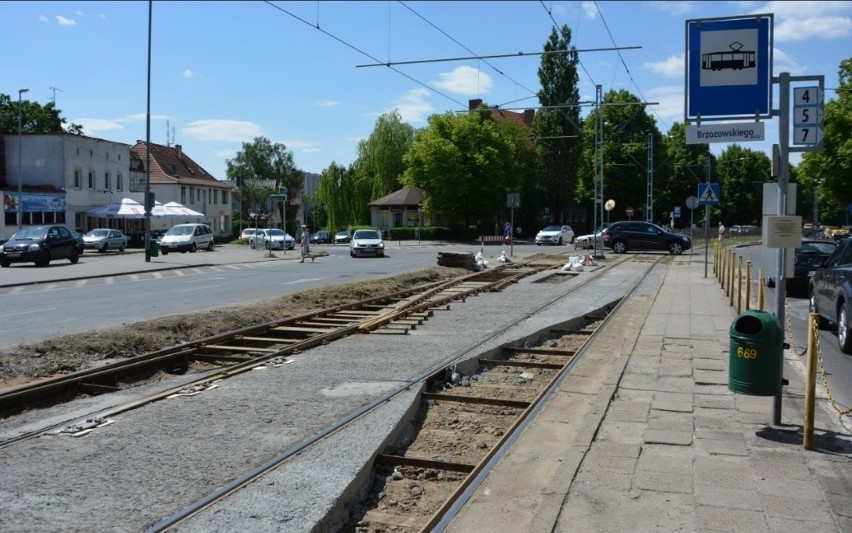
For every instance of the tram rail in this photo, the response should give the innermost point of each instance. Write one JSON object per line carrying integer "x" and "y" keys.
{"x": 467, "y": 473}
{"x": 241, "y": 350}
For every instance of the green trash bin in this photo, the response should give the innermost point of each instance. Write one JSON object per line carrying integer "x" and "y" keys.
{"x": 155, "y": 248}
{"x": 756, "y": 354}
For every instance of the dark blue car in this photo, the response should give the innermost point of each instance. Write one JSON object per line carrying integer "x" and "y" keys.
{"x": 39, "y": 245}
{"x": 830, "y": 291}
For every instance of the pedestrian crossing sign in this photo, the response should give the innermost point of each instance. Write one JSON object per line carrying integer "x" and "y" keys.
{"x": 708, "y": 194}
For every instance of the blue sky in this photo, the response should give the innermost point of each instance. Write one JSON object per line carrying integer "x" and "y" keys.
{"x": 223, "y": 73}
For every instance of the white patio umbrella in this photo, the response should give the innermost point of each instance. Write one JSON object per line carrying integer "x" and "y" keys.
{"x": 178, "y": 209}
{"x": 126, "y": 208}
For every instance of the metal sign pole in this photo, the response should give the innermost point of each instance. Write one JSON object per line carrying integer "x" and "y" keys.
{"x": 783, "y": 169}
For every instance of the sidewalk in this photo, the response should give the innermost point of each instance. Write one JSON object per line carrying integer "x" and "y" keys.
{"x": 665, "y": 446}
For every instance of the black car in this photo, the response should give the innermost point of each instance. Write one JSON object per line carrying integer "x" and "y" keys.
{"x": 321, "y": 237}
{"x": 808, "y": 256}
{"x": 631, "y": 235}
{"x": 830, "y": 292}
{"x": 40, "y": 245}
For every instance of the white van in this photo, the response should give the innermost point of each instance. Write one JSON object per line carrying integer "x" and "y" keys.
{"x": 187, "y": 238}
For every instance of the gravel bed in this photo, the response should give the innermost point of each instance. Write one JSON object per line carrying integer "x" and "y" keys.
{"x": 152, "y": 462}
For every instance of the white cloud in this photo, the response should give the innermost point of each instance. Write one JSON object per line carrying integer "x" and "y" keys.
{"x": 226, "y": 153}
{"x": 305, "y": 147}
{"x": 674, "y": 8}
{"x": 326, "y": 103}
{"x": 809, "y": 27}
{"x": 669, "y": 106}
{"x": 188, "y": 73}
{"x": 44, "y": 19}
{"x": 65, "y": 21}
{"x": 590, "y": 11}
{"x": 222, "y": 130}
{"x": 797, "y": 21}
{"x": 91, "y": 125}
{"x": 79, "y": 13}
{"x": 784, "y": 62}
{"x": 465, "y": 80}
{"x": 412, "y": 106}
{"x": 670, "y": 68}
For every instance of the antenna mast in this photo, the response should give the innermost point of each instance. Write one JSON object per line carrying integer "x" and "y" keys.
{"x": 54, "y": 89}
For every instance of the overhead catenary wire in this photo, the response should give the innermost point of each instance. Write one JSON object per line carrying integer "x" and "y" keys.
{"x": 362, "y": 52}
{"x": 424, "y": 19}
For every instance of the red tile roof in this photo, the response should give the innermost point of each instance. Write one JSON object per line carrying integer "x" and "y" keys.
{"x": 169, "y": 165}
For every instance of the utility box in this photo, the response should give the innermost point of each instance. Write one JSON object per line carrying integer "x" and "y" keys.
{"x": 756, "y": 354}
{"x": 154, "y": 248}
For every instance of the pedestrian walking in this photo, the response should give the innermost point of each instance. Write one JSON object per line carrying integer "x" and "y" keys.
{"x": 721, "y": 231}
{"x": 507, "y": 233}
{"x": 305, "y": 242}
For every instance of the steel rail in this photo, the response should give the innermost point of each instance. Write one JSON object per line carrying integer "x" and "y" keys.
{"x": 442, "y": 518}
{"x": 337, "y": 329}
{"x": 313, "y": 440}
{"x": 68, "y": 384}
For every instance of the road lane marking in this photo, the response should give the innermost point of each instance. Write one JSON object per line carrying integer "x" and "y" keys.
{"x": 28, "y": 312}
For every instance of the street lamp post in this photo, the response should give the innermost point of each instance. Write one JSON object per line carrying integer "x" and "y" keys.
{"x": 20, "y": 143}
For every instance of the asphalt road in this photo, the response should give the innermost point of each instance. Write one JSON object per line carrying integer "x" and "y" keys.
{"x": 837, "y": 365}
{"x": 69, "y": 301}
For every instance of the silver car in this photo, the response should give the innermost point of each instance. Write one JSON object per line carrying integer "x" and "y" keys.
{"x": 105, "y": 239}
{"x": 366, "y": 242}
{"x": 555, "y": 235}
{"x": 272, "y": 239}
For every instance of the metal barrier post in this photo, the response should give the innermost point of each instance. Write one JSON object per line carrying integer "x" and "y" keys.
{"x": 748, "y": 286}
{"x": 810, "y": 383}
{"x": 760, "y": 290}
{"x": 731, "y": 279}
{"x": 739, "y": 284}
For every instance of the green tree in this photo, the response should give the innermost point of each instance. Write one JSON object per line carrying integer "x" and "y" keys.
{"x": 687, "y": 164}
{"x": 626, "y": 125}
{"x": 741, "y": 172}
{"x": 35, "y": 118}
{"x": 265, "y": 168}
{"x": 467, "y": 163}
{"x": 557, "y": 127}
{"x": 380, "y": 156}
{"x": 342, "y": 194}
{"x": 829, "y": 169}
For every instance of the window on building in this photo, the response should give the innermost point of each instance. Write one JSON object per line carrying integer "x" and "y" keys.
{"x": 78, "y": 178}
{"x": 119, "y": 181}
{"x": 225, "y": 197}
{"x": 91, "y": 179}
{"x": 107, "y": 180}
{"x": 183, "y": 195}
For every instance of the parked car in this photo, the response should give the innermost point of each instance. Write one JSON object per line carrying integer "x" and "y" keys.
{"x": 587, "y": 242}
{"x": 272, "y": 239}
{"x": 366, "y": 242}
{"x": 807, "y": 257}
{"x": 321, "y": 237}
{"x": 636, "y": 235}
{"x": 187, "y": 238}
{"x": 105, "y": 239}
{"x": 247, "y": 234}
{"x": 81, "y": 244}
{"x": 555, "y": 235}
{"x": 39, "y": 245}
{"x": 341, "y": 237}
{"x": 830, "y": 293}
